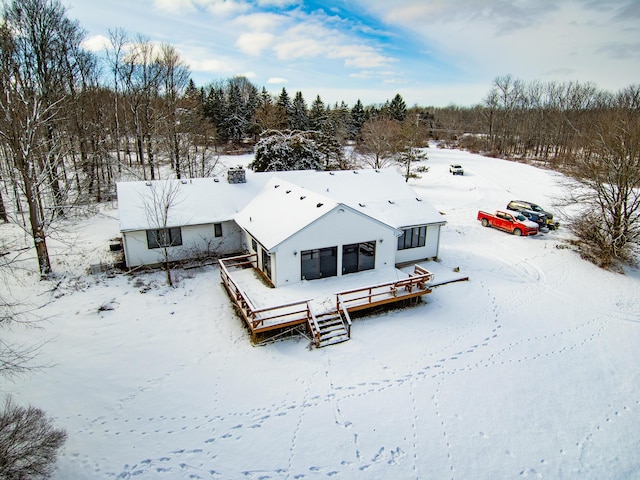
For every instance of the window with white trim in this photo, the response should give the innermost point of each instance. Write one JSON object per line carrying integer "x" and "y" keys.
{"x": 164, "y": 237}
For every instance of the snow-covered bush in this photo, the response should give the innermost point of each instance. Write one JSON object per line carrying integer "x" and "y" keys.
{"x": 286, "y": 150}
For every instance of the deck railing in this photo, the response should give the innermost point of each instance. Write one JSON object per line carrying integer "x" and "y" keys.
{"x": 364, "y": 297}
{"x": 260, "y": 319}
{"x": 297, "y": 313}
{"x": 344, "y": 315}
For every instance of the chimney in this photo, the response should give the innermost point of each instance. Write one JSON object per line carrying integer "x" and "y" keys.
{"x": 236, "y": 175}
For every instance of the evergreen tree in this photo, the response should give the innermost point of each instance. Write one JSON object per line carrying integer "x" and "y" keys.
{"x": 340, "y": 116}
{"x": 397, "y": 108}
{"x": 317, "y": 115}
{"x": 284, "y": 103}
{"x": 268, "y": 115}
{"x": 215, "y": 109}
{"x": 236, "y": 121}
{"x": 300, "y": 117}
{"x": 330, "y": 147}
{"x": 358, "y": 119}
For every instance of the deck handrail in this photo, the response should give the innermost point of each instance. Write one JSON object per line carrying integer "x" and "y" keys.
{"x": 300, "y": 311}
{"x": 419, "y": 279}
{"x": 314, "y": 321}
{"x": 257, "y": 317}
{"x": 342, "y": 310}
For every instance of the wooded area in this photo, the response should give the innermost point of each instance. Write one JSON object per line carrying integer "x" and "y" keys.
{"x": 72, "y": 123}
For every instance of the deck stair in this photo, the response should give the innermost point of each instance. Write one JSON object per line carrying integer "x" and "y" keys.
{"x": 328, "y": 329}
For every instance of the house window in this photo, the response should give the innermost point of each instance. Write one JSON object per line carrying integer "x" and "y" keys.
{"x": 266, "y": 263}
{"x": 319, "y": 263}
{"x": 357, "y": 257}
{"x": 164, "y": 237}
{"x": 254, "y": 245}
{"x": 412, "y": 238}
{"x": 217, "y": 229}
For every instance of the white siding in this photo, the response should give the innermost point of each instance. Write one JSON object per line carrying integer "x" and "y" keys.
{"x": 197, "y": 240}
{"x": 430, "y": 250}
{"x": 339, "y": 227}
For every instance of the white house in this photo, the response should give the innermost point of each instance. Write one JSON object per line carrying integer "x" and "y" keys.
{"x": 301, "y": 224}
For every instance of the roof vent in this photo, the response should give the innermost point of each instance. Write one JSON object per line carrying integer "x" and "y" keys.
{"x": 361, "y": 204}
{"x": 236, "y": 175}
{"x": 302, "y": 197}
{"x": 276, "y": 186}
{"x": 288, "y": 191}
{"x": 319, "y": 205}
{"x": 216, "y": 180}
{"x": 391, "y": 202}
{"x": 418, "y": 199}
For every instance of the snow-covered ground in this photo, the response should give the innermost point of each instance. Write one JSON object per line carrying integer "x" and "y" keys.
{"x": 530, "y": 369}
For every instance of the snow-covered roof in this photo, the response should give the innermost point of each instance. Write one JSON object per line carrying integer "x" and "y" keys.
{"x": 381, "y": 194}
{"x": 265, "y": 218}
{"x": 198, "y": 201}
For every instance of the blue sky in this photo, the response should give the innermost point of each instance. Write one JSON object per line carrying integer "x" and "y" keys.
{"x": 432, "y": 52}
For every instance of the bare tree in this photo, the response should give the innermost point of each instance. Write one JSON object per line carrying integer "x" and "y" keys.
{"x": 379, "y": 145}
{"x": 413, "y": 138}
{"x": 141, "y": 76}
{"x": 609, "y": 178}
{"x": 14, "y": 359}
{"x": 39, "y": 58}
{"x": 163, "y": 196}
{"x": 29, "y": 442}
{"x": 23, "y": 123}
{"x": 118, "y": 39}
{"x": 175, "y": 78}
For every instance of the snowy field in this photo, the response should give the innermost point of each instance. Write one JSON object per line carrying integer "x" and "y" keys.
{"x": 531, "y": 369}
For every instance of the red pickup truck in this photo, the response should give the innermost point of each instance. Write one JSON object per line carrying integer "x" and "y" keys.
{"x": 512, "y": 222}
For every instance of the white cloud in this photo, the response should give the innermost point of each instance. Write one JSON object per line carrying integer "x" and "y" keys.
{"x": 277, "y": 80}
{"x": 260, "y": 21}
{"x": 211, "y": 65}
{"x": 96, "y": 43}
{"x": 278, "y": 3}
{"x": 217, "y": 7}
{"x": 254, "y": 43}
{"x": 312, "y": 39}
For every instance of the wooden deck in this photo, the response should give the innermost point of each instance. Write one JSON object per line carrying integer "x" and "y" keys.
{"x": 293, "y": 314}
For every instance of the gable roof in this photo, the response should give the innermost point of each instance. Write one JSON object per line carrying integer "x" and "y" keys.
{"x": 381, "y": 194}
{"x": 280, "y": 210}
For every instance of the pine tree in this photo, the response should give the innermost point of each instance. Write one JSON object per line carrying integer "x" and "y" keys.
{"x": 236, "y": 122}
{"x": 284, "y": 103}
{"x": 358, "y": 119}
{"x": 398, "y": 108}
{"x": 300, "y": 117}
{"x": 340, "y": 116}
{"x": 215, "y": 109}
{"x": 317, "y": 115}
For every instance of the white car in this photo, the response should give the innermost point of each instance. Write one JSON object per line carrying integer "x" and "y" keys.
{"x": 456, "y": 169}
